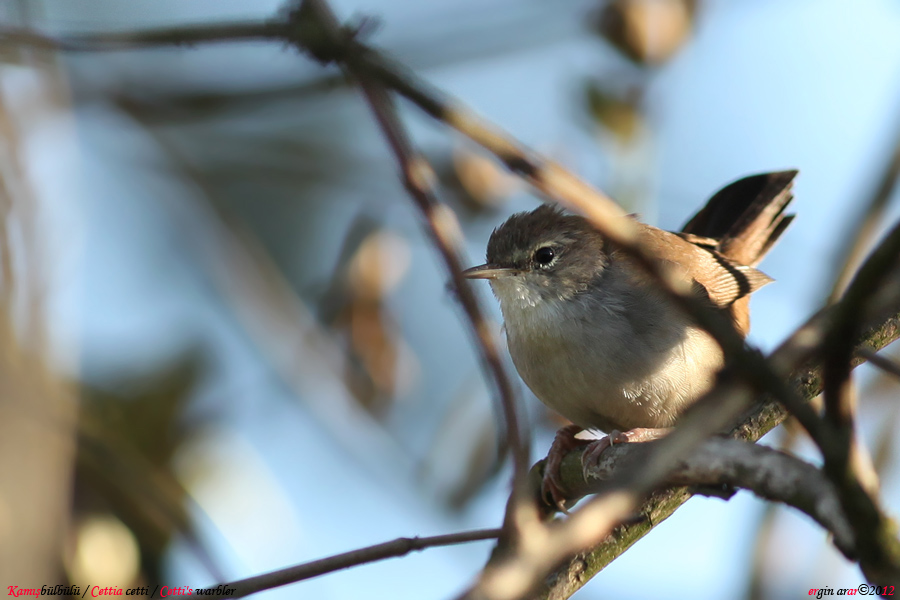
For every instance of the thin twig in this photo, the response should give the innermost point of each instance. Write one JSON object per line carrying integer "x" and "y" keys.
{"x": 444, "y": 231}
{"x": 353, "y": 558}
{"x": 338, "y": 45}
{"x": 768, "y": 473}
{"x": 191, "y": 35}
{"x": 443, "y": 226}
{"x": 845, "y": 461}
{"x": 882, "y": 362}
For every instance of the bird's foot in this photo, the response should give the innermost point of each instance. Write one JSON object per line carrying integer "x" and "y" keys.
{"x": 551, "y": 486}
{"x": 591, "y": 456}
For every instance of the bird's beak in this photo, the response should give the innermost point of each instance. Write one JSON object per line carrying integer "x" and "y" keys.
{"x": 488, "y": 271}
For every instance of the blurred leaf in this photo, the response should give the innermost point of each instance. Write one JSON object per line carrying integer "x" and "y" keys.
{"x": 374, "y": 343}
{"x": 622, "y": 117}
{"x": 649, "y": 32}
{"x": 477, "y": 181}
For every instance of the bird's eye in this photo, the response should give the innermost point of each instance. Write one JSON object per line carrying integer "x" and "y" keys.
{"x": 544, "y": 255}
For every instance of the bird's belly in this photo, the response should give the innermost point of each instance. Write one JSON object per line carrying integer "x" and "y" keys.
{"x": 619, "y": 385}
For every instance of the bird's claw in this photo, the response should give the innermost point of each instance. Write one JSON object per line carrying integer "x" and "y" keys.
{"x": 552, "y": 490}
{"x": 591, "y": 457}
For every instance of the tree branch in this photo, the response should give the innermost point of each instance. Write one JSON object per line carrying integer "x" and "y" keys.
{"x": 722, "y": 462}
{"x": 392, "y": 549}
{"x": 443, "y": 228}
{"x": 846, "y": 462}
{"x": 883, "y": 363}
{"x": 275, "y": 30}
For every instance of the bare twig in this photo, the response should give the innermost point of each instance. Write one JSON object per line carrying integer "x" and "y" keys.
{"x": 443, "y": 229}
{"x": 839, "y": 341}
{"x": 326, "y": 43}
{"x": 882, "y": 362}
{"x": 845, "y": 460}
{"x": 329, "y": 43}
{"x": 353, "y": 558}
{"x": 275, "y": 30}
{"x": 528, "y": 564}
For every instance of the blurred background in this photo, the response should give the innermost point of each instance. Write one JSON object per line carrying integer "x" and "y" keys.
{"x": 228, "y": 348}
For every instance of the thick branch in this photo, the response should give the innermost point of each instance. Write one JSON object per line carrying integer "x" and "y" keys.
{"x": 768, "y": 473}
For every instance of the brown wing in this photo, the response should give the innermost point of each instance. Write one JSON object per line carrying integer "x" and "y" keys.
{"x": 726, "y": 283}
{"x": 724, "y": 280}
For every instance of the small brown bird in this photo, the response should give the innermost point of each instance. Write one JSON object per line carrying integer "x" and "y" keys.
{"x": 596, "y": 339}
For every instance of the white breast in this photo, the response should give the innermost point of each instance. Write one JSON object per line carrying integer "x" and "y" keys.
{"x": 607, "y": 360}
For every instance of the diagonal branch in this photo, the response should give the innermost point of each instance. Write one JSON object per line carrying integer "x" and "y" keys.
{"x": 891, "y": 367}
{"x": 353, "y": 558}
{"x": 845, "y": 460}
{"x": 444, "y": 230}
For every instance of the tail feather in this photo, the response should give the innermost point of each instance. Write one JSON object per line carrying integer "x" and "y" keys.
{"x": 747, "y": 216}
{"x": 776, "y": 233}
